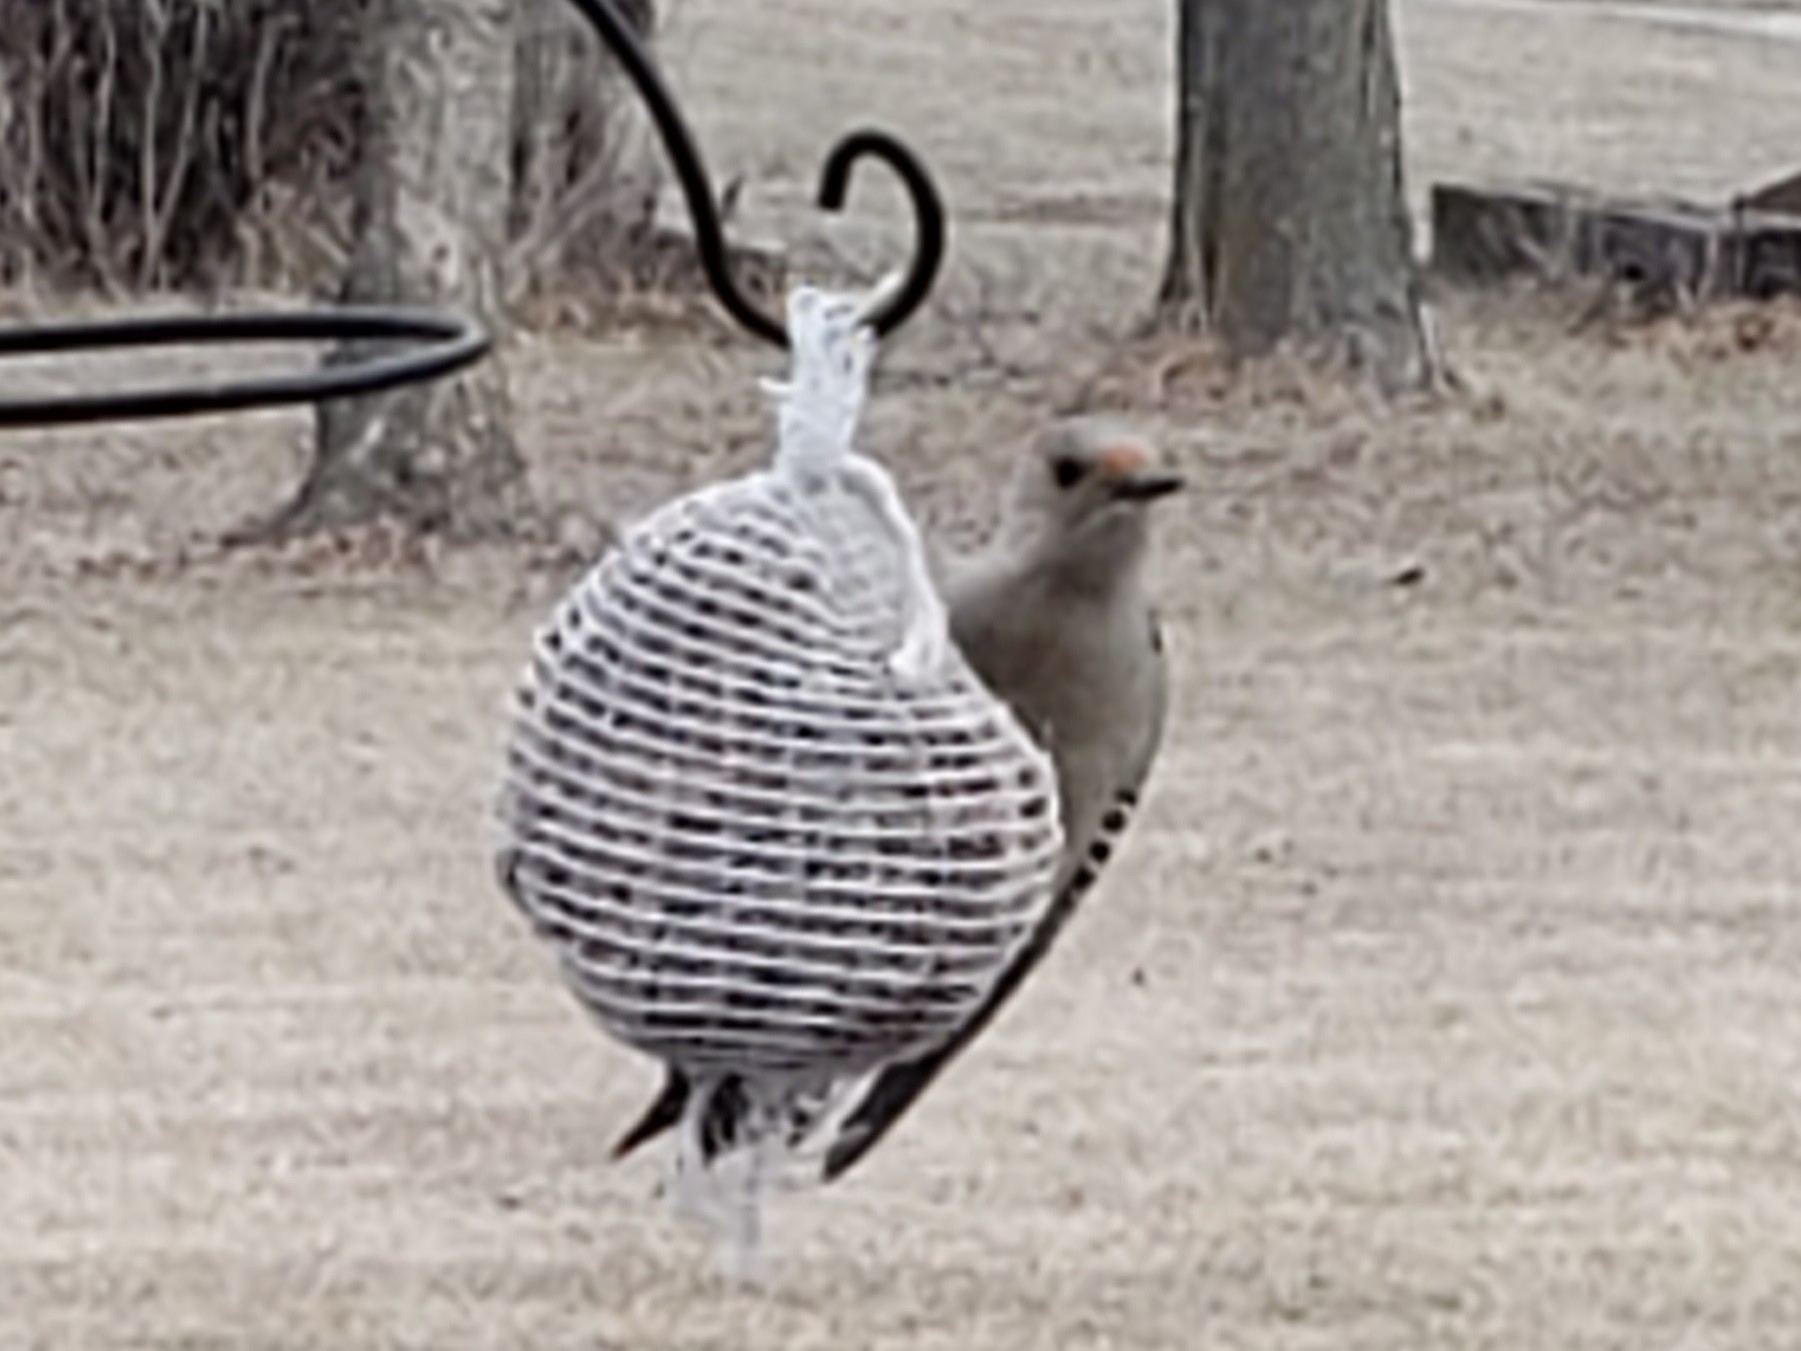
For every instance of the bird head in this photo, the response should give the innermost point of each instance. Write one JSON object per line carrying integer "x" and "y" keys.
{"x": 1081, "y": 493}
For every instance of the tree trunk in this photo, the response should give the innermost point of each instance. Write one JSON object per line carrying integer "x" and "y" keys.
{"x": 585, "y": 175}
{"x": 1290, "y": 221}
{"x": 432, "y": 193}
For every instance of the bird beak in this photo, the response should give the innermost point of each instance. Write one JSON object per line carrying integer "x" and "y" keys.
{"x": 1148, "y": 486}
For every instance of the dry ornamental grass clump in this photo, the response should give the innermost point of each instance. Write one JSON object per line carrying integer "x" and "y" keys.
{"x": 210, "y": 144}
{"x": 149, "y": 144}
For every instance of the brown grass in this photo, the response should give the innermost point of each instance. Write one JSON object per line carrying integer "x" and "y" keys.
{"x": 1444, "y": 997}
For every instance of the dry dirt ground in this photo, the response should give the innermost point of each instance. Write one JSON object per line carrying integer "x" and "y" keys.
{"x": 1446, "y": 996}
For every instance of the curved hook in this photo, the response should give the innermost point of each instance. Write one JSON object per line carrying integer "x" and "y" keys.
{"x": 928, "y": 215}
{"x": 834, "y": 184}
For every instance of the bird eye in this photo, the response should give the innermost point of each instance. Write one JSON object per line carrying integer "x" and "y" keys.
{"x": 1067, "y": 471}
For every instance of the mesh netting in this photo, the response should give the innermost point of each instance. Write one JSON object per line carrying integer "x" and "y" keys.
{"x": 754, "y": 851}
{"x": 767, "y": 849}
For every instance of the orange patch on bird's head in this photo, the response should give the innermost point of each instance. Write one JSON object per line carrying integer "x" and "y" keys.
{"x": 1123, "y": 460}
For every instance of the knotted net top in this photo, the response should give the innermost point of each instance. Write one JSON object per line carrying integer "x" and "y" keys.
{"x": 767, "y": 816}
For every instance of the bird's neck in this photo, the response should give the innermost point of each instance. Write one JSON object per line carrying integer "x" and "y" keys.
{"x": 1101, "y": 565}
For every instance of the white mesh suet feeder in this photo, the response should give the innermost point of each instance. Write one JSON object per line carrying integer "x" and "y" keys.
{"x": 776, "y": 831}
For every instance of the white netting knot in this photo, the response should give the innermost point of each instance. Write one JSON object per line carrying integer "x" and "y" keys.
{"x": 819, "y": 407}
{"x": 821, "y": 402}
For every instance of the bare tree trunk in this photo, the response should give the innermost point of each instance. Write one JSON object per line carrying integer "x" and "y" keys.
{"x": 585, "y": 175}
{"x": 1290, "y": 221}
{"x": 432, "y": 200}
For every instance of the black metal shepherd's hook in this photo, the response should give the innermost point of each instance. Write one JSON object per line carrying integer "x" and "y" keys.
{"x": 834, "y": 185}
